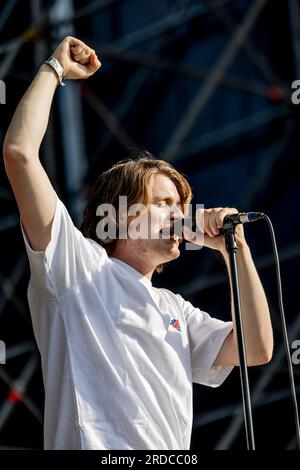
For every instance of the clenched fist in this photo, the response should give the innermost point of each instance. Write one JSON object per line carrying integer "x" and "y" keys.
{"x": 77, "y": 59}
{"x": 209, "y": 222}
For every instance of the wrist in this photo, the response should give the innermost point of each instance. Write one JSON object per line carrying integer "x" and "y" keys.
{"x": 242, "y": 247}
{"x": 50, "y": 73}
{"x": 56, "y": 66}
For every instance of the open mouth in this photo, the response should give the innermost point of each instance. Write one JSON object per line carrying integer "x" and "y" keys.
{"x": 168, "y": 233}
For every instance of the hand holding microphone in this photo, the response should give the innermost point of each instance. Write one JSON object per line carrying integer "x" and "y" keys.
{"x": 213, "y": 222}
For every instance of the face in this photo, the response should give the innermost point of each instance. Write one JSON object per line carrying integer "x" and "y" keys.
{"x": 164, "y": 209}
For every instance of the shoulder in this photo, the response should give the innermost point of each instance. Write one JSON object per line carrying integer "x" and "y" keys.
{"x": 171, "y": 297}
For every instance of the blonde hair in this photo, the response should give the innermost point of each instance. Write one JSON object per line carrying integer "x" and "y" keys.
{"x": 133, "y": 178}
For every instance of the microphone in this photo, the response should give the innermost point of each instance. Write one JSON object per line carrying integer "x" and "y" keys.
{"x": 229, "y": 222}
{"x": 240, "y": 218}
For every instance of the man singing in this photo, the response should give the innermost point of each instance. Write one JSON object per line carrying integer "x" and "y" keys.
{"x": 119, "y": 356}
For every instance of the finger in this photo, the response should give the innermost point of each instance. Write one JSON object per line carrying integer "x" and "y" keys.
{"x": 223, "y": 213}
{"x": 77, "y": 49}
{"x": 84, "y": 56}
{"x": 213, "y": 220}
{"x": 74, "y": 42}
{"x": 207, "y": 228}
{"x": 188, "y": 234}
{"x": 94, "y": 64}
{"x": 200, "y": 219}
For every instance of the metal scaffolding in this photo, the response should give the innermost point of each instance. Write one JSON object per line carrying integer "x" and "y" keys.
{"x": 156, "y": 57}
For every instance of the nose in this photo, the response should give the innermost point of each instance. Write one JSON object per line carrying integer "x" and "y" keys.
{"x": 176, "y": 213}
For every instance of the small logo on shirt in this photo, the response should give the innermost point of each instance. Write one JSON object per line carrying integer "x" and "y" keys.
{"x": 175, "y": 323}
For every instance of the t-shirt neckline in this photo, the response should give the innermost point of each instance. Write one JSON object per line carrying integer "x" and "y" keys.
{"x": 133, "y": 271}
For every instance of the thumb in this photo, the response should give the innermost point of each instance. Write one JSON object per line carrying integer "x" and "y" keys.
{"x": 188, "y": 234}
{"x": 95, "y": 63}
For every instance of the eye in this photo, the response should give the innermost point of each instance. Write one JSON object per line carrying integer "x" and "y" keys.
{"x": 160, "y": 203}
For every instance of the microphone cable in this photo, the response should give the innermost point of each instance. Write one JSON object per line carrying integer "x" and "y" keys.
{"x": 284, "y": 328}
{"x": 245, "y": 217}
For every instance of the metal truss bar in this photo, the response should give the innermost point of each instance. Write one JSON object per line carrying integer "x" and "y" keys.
{"x": 286, "y": 254}
{"x": 134, "y": 86}
{"x": 294, "y": 10}
{"x": 111, "y": 122}
{"x": 8, "y": 286}
{"x": 234, "y": 129}
{"x": 188, "y": 71}
{"x": 6, "y": 12}
{"x": 165, "y": 25}
{"x": 245, "y": 198}
{"x": 136, "y": 83}
{"x": 70, "y": 111}
{"x": 18, "y": 388}
{"x": 254, "y": 54}
{"x": 10, "y": 57}
{"x": 96, "y": 7}
{"x": 19, "y": 349}
{"x": 33, "y": 32}
{"x": 214, "y": 78}
{"x": 9, "y": 221}
{"x": 155, "y": 62}
{"x": 266, "y": 164}
{"x": 234, "y": 408}
{"x": 234, "y": 427}
{"x": 40, "y": 52}
{"x": 10, "y": 45}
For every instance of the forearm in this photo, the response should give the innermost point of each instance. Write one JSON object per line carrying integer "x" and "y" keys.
{"x": 255, "y": 310}
{"x": 35, "y": 196}
{"x": 30, "y": 120}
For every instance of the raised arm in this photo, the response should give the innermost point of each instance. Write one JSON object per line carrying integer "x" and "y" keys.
{"x": 32, "y": 188}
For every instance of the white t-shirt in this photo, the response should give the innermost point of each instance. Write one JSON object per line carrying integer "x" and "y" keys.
{"x": 118, "y": 355}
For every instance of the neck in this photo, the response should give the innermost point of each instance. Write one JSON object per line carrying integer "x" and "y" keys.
{"x": 132, "y": 260}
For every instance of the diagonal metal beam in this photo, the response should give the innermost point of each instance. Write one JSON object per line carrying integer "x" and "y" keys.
{"x": 288, "y": 253}
{"x": 8, "y": 287}
{"x": 127, "y": 99}
{"x": 19, "y": 349}
{"x": 234, "y": 129}
{"x": 95, "y": 7}
{"x": 18, "y": 387}
{"x": 214, "y": 78}
{"x": 9, "y": 221}
{"x": 254, "y": 54}
{"x": 118, "y": 50}
{"x": 165, "y": 25}
{"x": 188, "y": 71}
{"x": 7, "y": 10}
{"x": 294, "y": 11}
{"x": 10, "y": 56}
{"x": 227, "y": 411}
{"x": 265, "y": 168}
{"x": 109, "y": 119}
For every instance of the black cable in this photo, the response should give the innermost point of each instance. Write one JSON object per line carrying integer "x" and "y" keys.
{"x": 284, "y": 329}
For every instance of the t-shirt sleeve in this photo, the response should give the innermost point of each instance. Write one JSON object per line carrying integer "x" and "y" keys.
{"x": 68, "y": 259}
{"x": 206, "y": 337}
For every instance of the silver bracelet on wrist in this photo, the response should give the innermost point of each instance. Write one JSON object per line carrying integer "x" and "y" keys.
{"x": 58, "y": 69}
